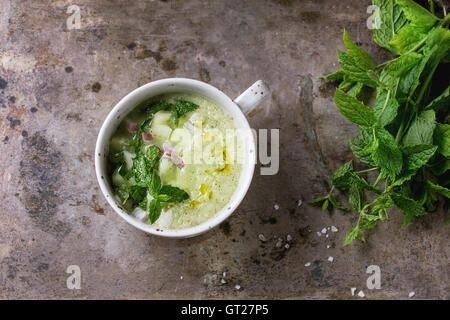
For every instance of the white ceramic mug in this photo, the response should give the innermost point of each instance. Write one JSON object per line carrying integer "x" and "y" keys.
{"x": 237, "y": 109}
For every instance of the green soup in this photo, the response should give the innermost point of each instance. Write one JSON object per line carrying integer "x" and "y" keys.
{"x": 174, "y": 160}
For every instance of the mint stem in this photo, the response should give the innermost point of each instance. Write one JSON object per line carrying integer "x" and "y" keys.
{"x": 400, "y": 131}
{"x": 366, "y": 170}
{"x": 431, "y": 3}
{"x": 329, "y": 194}
{"x": 377, "y": 180}
{"x": 426, "y": 83}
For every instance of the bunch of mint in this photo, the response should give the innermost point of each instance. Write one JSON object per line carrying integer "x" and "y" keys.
{"x": 405, "y": 134}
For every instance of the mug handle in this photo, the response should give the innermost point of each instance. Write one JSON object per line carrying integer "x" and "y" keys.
{"x": 252, "y": 97}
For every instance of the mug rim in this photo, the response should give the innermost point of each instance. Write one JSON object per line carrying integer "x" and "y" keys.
{"x": 220, "y": 215}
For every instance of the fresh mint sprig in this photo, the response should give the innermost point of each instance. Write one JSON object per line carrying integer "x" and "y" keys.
{"x": 144, "y": 172}
{"x": 160, "y": 193}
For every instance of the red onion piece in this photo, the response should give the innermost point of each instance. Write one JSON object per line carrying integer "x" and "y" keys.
{"x": 170, "y": 152}
{"x": 147, "y": 137}
{"x": 178, "y": 161}
{"x": 168, "y": 148}
{"x": 131, "y": 126}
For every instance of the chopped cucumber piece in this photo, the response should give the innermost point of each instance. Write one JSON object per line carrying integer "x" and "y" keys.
{"x": 162, "y": 117}
{"x": 161, "y": 131}
{"x": 129, "y": 159}
{"x": 118, "y": 143}
{"x": 167, "y": 170}
{"x": 181, "y": 138}
{"x": 117, "y": 178}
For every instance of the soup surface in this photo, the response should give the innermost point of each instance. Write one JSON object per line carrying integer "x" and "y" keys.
{"x": 175, "y": 160}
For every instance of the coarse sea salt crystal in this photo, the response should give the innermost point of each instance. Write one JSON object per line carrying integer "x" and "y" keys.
{"x": 353, "y": 291}
{"x": 307, "y": 264}
{"x": 276, "y": 206}
{"x": 326, "y": 236}
{"x": 328, "y": 246}
{"x": 411, "y": 294}
{"x": 223, "y": 281}
{"x": 324, "y": 230}
{"x": 286, "y": 245}
{"x": 224, "y": 274}
{"x": 181, "y": 277}
{"x": 330, "y": 259}
{"x": 334, "y": 229}
{"x": 279, "y": 244}
{"x": 288, "y": 237}
{"x": 262, "y": 237}
{"x": 237, "y": 287}
{"x": 299, "y": 203}
{"x": 318, "y": 233}
{"x": 361, "y": 294}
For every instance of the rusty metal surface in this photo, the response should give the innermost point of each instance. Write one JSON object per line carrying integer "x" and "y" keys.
{"x": 58, "y": 85}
